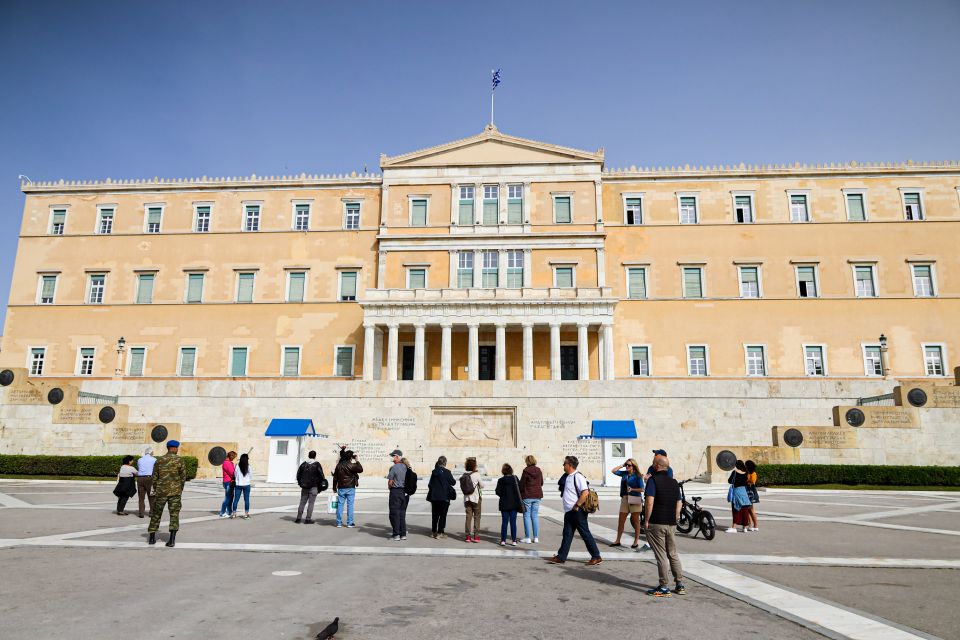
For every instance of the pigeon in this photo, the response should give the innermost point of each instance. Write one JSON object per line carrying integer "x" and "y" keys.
{"x": 330, "y": 630}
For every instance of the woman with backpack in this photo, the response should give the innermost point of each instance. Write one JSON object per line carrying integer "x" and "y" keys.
{"x": 242, "y": 476}
{"x": 440, "y": 491}
{"x": 471, "y": 487}
{"x": 531, "y": 490}
{"x": 752, "y": 493}
{"x": 508, "y": 488}
{"x": 126, "y": 484}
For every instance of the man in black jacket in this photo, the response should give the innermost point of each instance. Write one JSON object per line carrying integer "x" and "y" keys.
{"x": 662, "y": 505}
{"x": 310, "y": 478}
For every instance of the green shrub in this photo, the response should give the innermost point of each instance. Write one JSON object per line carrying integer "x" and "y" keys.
{"x": 799, "y": 474}
{"x": 89, "y": 466}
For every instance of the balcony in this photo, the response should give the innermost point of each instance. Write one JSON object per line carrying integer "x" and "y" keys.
{"x": 492, "y": 295}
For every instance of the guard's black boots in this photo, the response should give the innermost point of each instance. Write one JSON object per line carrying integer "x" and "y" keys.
{"x": 173, "y": 539}
{"x": 153, "y": 538}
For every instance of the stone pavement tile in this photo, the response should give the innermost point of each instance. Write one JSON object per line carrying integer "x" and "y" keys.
{"x": 29, "y": 523}
{"x": 928, "y": 520}
{"x": 924, "y": 599}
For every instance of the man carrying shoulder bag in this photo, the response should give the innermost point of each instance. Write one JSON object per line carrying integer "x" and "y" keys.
{"x": 311, "y": 481}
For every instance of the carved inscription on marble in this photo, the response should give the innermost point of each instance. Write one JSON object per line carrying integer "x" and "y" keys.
{"x": 557, "y": 424}
{"x": 390, "y": 423}
{"x": 891, "y": 419}
{"x": 821, "y": 437}
{"x": 124, "y": 433}
{"x": 946, "y": 396}
{"x": 31, "y": 395}
{"x": 78, "y": 414}
{"x": 474, "y": 427}
{"x": 586, "y": 451}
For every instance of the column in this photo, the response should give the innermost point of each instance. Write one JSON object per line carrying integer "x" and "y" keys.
{"x": 381, "y": 270}
{"x": 394, "y": 333}
{"x": 501, "y": 348}
{"x": 384, "y": 210}
{"x": 601, "y": 268}
{"x": 454, "y": 263}
{"x": 473, "y": 352}
{"x": 554, "y": 350}
{"x": 477, "y": 269}
{"x": 502, "y": 203}
{"x": 583, "y": 363}
{"x": 598, "y": 191}
{"x": 369, "y": 331}
{"x": 601, "y": 355}
{"x": 502, "y": 268}
{"x": 378, "y": 339}
{"x": 527, "y": 203}
{"x": 445, "y": 372}
{"x": 608, "y": 351}
{"x": 454, "y": 203}
{"x": 527, "y": 351}
{"x": 418, "y": 351}
{"x": 527, "y": 268}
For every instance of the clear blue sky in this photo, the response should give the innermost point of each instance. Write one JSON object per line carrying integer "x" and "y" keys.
{"x": 137, "y": 89}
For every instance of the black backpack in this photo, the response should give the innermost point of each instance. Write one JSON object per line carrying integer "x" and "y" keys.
{"x": 410, "y": 482}
{"x": 323, "y": 485}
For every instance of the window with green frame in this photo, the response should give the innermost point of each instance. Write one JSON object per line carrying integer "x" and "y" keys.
{"x": 515, "y": 204}
{"x": 238, "y": 362}
{"x": 491, "y": 204}
{"x": 561, "y": 209}
{"x": 466, "y": 206}
{"x": 418, "y": 212}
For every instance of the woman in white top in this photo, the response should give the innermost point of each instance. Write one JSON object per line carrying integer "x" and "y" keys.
{"x": 126, "y": 484}
{"x": 242, "y": 476}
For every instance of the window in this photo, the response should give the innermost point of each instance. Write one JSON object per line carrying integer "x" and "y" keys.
{"x": 688, "y": 210}
{"x": 154, "y": 215}
{"x": 856, "y": 206}
{"x": 514, "y": 204}
{"x": 145, "y": 288}
{"x": 465, "y": 269}
{"x": 301, "y": 217}
{"x": 348, "y": 286}
{"x": 749, "y": 282}
{"x": 137, "y": 357}
{"x": 563, "y": 277}
{"x": 813, "y": 357}
{"x": 743, "y": 208}
{"x": 251, "y": 217}
{"x": 863, "y": 277}
{"x": 636, "y": 283}
{"x": 48, "y": 287}
{"x": 912, "y": 205}
{"x": 640, "y": 361}
{"x": 807, "y": 281}
{"x": 872, "y": 363}
{"x": 37, "y": 357}
{"x": 697, "y": 361}
{"x": 283, "y": 447}
{"x": 515, "y": 269}
{"x": 491, "y": 203}
{"x": 195, "y": 287}
{"x": 490, "y": 271}
{"x": 85, "y": 361}
{"x": 466, "y": 205}
{"x": 756, "y": 360}
{"x": 561, "y": 210}
{"x": 105, "y": 220}
{"x": 188, "y": 361}
{"x": 58, "y": 220}
{"x": 95, "y": 286}
{"x": 923, "y": 281}
{"x": 245, "y": 283}
{"x": 799, "y": 208}
{"x": 201, "y": 222}
{"x": 633, "y": 210}
{"x": 692, "y": 282}
{"x": 417, "y": 279}
{"x": 291, "y": 361}
{"x": 933, "y": 359}
{"x": 351, "y": 217}
{"x": 418, "y": 212}
{"x": 238, "y": 362}
{"x": 344, "y": 362}
{"x": 296, "y": 285}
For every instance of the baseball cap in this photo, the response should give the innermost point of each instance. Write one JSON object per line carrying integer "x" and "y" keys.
{"x": 396, "y": 452}
{"x": 659, "y": 452}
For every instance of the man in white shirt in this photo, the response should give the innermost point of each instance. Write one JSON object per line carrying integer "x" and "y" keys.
{"x": 576, "y": 489}
{"x": 145, "y": 480}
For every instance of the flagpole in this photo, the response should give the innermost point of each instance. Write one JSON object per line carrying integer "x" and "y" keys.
{"x": 491, "y": 106}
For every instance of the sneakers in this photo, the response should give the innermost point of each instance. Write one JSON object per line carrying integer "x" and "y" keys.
{"x": 476, "y": 539}
{"x": 536, "y": 540}
{"x": 592, "y": 562}
{"x": 339, "y": 526}
{"x": 351, "y": 526}
{"x": 513, "y": 544}
{"x": 223, "y": 515}
{"x": 757, "y": 529}
{"x": 503, "y": 543}
{"x": 395, "y": 538}
{"x": 659, "y": 592}
{"x": 643, "y": 547}
{"x": 680, "y": 590}
{"x": 442, "y": 536}
{"x": 468, "y": 539}
{"x": 526, "y": 541}
{"x": 732, "y": 530}
{"x": 403, "y": 537}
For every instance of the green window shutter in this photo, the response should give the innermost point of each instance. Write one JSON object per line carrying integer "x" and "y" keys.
{"x": 59, "y": 216}
{"x": 298, "y": 281}
{"x": 911, "y": 198}
{"x": 561, "y": 209}
{"x": 466, "y": 212}
{"x": 515, "y": 277}
{"x": 490, "y": 212}
{"x": 136, "y": 361}
{"x": 344, "y": 361}
{"x": 239, "y": 366}
{"x": 418, "y": 278}
{"x": 419, "y": 213}
{"x": 692, "y": 283}
{"x": 153, "y": 215}
{"x": 855, "y": 206}
{"x": 749, "y": 274}
{"x": 49, "y": 286}
{"x": 245, "y": 287}
{"x": 515, "y": 211}
{"x": 637, "y": 286}
{"x": 565, "y": 277}
{"x": 464, "y": 278}
{"x": 348, "y": 285}
{"x": 195, "y": 288}
{"x": 291, "y": 361}
{"x": 145, "y": 288}
{"x": 188, "y": 359}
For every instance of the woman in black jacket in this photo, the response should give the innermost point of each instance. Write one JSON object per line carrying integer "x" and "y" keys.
{"x": 508, "y": 488}
{"x": 440, "y": 492}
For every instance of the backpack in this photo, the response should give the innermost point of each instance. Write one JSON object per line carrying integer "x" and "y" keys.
{"x": 308, "y": 475}
{"x": 410, "y": 482}
{"x": 592, "y": 503}
{"x": 323, "y": 484}
{"x": 467, "y": 487}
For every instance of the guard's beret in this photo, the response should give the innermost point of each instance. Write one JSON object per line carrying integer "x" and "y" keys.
{"x": 173, "y": 443}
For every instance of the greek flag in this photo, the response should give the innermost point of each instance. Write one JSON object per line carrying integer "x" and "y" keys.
{"x": 496, "y": 80}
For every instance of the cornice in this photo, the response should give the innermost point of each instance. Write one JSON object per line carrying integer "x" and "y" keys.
{"x": 203, "y": 183}
{"x": 796, "y": 169}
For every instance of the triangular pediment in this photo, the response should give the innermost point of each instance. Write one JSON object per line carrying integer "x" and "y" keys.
{"x": 491, "y": 148}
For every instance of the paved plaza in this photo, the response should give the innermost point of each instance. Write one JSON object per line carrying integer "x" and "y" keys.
{"x": 838, "y": 564}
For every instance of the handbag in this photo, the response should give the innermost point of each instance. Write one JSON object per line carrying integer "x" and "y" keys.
{"x": 633, "y": 498}
{"x": 523, "y": 507}
{"x": 753, "y": 494}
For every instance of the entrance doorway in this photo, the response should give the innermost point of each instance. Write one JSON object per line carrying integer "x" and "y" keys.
{"x": 488, "y": 362}
{"x": 406, "y": 367}
{"x": 569, "y": 367}
{"x": 615, "y": 452}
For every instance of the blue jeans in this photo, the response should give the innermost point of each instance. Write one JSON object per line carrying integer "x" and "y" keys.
{"x": 345, "y": 496}
{"x": 227, "y": 506}
{"x": 531, "y": 518}
{"x": 245, "y": 492}
{"x": 576, "y": 522}
{"x": 511, "y": 518}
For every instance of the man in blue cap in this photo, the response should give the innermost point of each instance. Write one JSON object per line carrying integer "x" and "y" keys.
{"x": 169, "y": 476}
{"x": 657, "y": 453}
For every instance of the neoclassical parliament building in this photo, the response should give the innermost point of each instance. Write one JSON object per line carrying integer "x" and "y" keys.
{"x": 651, "y": 295}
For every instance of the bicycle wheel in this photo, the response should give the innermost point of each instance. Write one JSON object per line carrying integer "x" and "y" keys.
{"x": 708, "y": 526}
{"x": 685, "y": 523}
